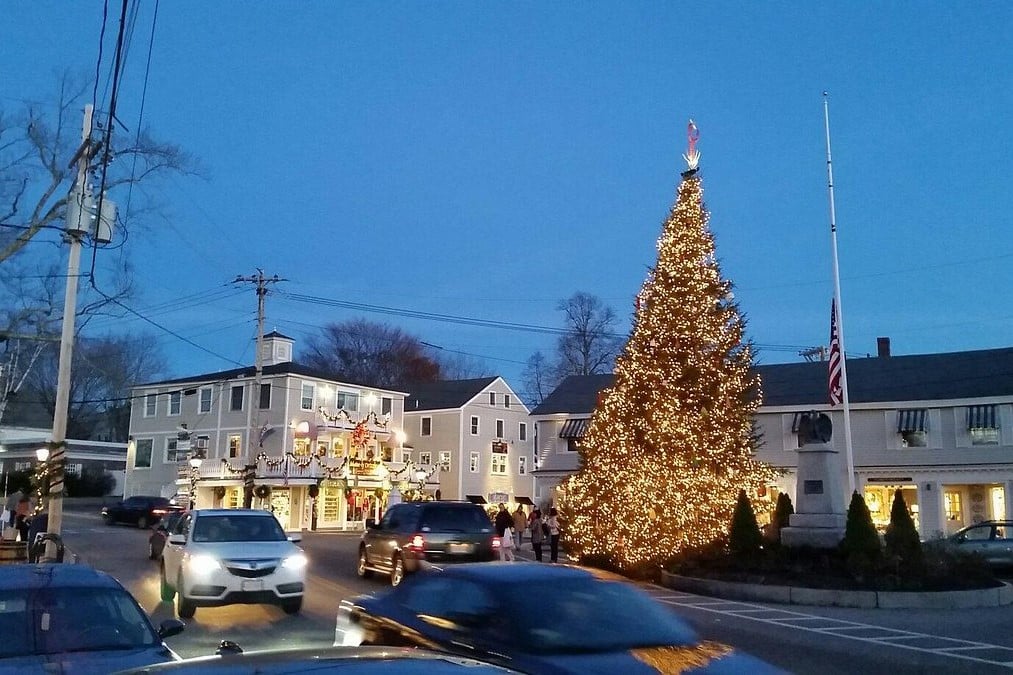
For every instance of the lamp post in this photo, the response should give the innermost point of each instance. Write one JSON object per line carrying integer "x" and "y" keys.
{"x": 420, "y": 478}
{"x": 195, "y": 463}
{"x": 42, "y": 474}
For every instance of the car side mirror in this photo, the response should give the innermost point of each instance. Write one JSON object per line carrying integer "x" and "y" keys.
{"x": 294, "y": 536}
{"x": 170, "y": 627}
{"x": 371, "y": 524}
{"x": 178, "y": 539}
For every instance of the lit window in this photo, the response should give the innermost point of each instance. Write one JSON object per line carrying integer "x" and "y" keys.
{"x": 951, "y": 502}
{"x": 499, "y": 463}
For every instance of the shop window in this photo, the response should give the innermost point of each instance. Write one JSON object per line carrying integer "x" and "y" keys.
{"x": 338, "y": 447}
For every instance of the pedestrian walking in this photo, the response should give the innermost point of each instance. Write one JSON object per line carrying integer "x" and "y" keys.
{"x": 503, "y": 520}
{"x": 21, "y": 518}
{"x": 520, "y": 523}
{"x": 537, "y": 527}
{"x": 506, "y": 544}
{"x": 553, "y": 524}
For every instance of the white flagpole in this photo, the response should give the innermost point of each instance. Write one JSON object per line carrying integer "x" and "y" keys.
{"x": 837, "y": 303}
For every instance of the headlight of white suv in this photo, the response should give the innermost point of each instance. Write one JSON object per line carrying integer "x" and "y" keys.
{"x": 203, "y": 564}
{"x": 295, "y": 562}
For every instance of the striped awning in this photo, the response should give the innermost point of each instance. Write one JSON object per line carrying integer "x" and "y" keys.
{"x": 574, "y": 429}
{"x": 911, "y": 420}
{"x": 981, "y": 417}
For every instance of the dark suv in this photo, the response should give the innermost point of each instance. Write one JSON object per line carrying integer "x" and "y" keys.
{"x": 139, "y": 510}
{"x": 413, "y": 534}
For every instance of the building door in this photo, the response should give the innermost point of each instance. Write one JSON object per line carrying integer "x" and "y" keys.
{"x": 281, "y": 506}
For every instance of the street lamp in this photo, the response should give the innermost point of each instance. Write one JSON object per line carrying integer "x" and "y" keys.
{"x": 420, "y": 478}
{"x": 42, "y": 454}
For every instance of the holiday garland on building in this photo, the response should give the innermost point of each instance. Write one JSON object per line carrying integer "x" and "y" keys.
{"x": 671, "y": 443}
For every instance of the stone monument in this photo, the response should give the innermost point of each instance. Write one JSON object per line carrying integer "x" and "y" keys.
{"x": 820, "y": 518}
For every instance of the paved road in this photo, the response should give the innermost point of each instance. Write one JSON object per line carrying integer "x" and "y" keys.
{"x": 799, "y": 639}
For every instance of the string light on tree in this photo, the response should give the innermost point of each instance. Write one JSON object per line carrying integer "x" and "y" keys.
{"x": 671, "y": 443}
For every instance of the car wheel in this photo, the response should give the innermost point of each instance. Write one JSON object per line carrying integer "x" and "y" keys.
{"x": 397, "y": 573}
{"x": 292, "y": 606}
{"x": 143, "y": 523}
{"x": 185, "y": 608}
{"x": 167, "y": 591}
{"x": 361, "y": 568}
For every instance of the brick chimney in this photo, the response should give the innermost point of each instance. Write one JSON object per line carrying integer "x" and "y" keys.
{"x": 883, "y": 347}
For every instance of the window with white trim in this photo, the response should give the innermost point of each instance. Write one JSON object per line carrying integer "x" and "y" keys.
{"x": 522, "y": 465}
{"x": 499, "y": 463}
{"x": 235, "y": 445}
{"x": 150, "y": 404}
{"x": 499, "y": 428}
{"x": 142, "y": 453}
{"x": 426, "y": 426}
{"x": 983, "y": 425}
{"x": 522, "y": 431}
{"x": 444, "y": 460}
{"x": 265, "y": 396}
{"x": 74, "y": 469}
{"x": 425, "y": 458}
{"x": 306, "y": 400}
{"x": 236, "y": 395}
{"x": 474, "y": 463}
{"x": 347, "y": 401}
{"x": 474, "y": 425}
{"x": 173, "y": 454}
{"x": 492, "y": 398}
{"x": 175, "y": 403}
{"x": 204, "y": 402}
{"x": 506, "y": 400}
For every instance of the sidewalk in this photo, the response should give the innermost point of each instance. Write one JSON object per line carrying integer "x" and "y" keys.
{"x": 529, "y": 555}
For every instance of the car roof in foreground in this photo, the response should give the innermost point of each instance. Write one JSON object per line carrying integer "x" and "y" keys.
{"x": 509, "y": 572}
{"x": 231, "y": 512}
{"x": 53, "y": 575}
{"x": 346, "y": 660}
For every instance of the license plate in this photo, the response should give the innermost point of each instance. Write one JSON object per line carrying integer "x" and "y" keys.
{"x": 459, "y": 548}
{"x": 254, "y": 585}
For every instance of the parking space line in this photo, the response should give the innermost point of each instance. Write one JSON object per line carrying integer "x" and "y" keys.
{"x": 795, "y": 620}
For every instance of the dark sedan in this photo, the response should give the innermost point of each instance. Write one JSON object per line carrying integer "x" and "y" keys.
{"x": 59, "y": 618}
{"x": 537, "y": 619}
{"x": 139, "y": 510}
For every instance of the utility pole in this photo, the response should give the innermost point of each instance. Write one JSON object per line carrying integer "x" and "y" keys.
{"x": 254, "y": 441}
{"x": 78, "y": 224}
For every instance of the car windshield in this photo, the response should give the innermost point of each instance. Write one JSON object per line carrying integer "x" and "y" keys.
{"x": 237, "y": 528}
{"x": 449, "y": 519}
{"x": 588, "y": 615}
{"x": 71, "y": 619}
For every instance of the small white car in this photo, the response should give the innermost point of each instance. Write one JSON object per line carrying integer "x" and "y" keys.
{"x": 216, "y": 557}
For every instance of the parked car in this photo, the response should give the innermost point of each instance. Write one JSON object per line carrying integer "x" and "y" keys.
{"x": 58, "y": 618}
{"x": 565, "y": 620}
{"x": 142, "y": 511}
{"x": 156, "y": 542}
{"x": 413, "y": 534}
{"x": 216, "y": 557}
{"x": 991, "y": 539}
{"x": 347, "y": 661}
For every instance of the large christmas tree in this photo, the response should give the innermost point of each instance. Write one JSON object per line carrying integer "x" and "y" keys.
{"x": 671, "y": 442}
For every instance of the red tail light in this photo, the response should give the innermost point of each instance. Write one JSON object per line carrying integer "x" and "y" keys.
{"x": 417, "y": 544}
{"x": 495, "y": 542}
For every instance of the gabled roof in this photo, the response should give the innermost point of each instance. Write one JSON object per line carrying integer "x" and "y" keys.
{"x": 444, "y": 394}
{"x": 287, "y": 368}
{"x": 919, "y": 377}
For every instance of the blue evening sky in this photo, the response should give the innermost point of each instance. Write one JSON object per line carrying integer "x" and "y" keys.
{"x": 486, "y": 160}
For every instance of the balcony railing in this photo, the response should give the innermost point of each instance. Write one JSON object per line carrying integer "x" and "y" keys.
{"x": 304, "y": 467}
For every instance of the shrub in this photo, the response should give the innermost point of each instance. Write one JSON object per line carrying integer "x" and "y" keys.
{"x": 744, "y": 538}
{"x": 782, "y": 515}
{"x": 902, "y": 541}
{"x": 861, "y": 546}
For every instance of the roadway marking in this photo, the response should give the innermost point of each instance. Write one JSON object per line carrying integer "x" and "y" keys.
{"x": 937, "y": 645}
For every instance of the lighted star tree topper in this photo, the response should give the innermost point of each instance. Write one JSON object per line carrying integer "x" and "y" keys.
{"x": 671, "y": 443}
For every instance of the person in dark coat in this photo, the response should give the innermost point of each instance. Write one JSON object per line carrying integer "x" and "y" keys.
{"x": 503, "y": 520}
{"x": 537, "y": 533}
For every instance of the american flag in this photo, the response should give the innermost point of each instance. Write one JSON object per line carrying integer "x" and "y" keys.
{"x": 836, "y": 389}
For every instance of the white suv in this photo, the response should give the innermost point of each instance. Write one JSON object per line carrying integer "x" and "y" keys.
{"x": 216, "y": 557}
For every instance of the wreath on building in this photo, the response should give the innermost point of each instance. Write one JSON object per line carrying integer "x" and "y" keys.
{"x": 262, "y": 491}
{"x": 219, "y": 492}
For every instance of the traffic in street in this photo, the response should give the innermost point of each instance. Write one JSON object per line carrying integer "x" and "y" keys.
{"x": 797, "y": 639}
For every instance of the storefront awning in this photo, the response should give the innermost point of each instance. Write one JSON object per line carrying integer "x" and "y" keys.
{"x": 573, "y": 429}
{"x": 477, "y": 499}
{"x": 911, "y": 420}
{"x": 524, "y": 500}
{"x": 981, "y": 417}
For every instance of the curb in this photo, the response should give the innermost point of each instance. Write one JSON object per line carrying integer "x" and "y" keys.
{"x": 796, "y": 595}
